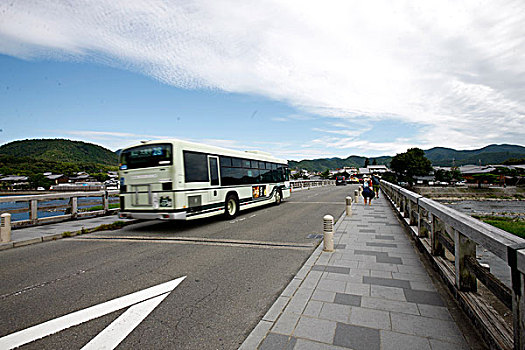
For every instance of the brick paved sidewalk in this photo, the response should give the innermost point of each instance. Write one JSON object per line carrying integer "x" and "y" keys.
{"x": 371, "y": 293}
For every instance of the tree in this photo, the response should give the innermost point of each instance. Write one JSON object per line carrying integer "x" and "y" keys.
{"x": 374, "y": 162}
{"x": 367, "y": 162}
{"x": 325, "y": 174}
{"x": 443, "y": 175}
{"x": 39, "y": 180}
{"x": 514, "y": 161}
{"x": 411, "y": 163}
{"x": 485, "y": 178}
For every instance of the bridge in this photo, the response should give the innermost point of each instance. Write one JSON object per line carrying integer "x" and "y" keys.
{"x": 401, "y": 270}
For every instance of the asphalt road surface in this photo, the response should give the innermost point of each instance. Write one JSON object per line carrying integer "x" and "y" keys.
{"x": 235, "y": 269}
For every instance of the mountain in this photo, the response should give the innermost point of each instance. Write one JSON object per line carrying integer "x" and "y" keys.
{"x": 336, "y": 163}
{"x": 60, "y": 150}
{"x": 439, "y": 156}
{"x": 492, "y": 154}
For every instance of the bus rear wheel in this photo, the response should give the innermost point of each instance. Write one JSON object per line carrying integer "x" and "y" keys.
{"x": 278, "y": 197}
{"x": 231, "y": 207}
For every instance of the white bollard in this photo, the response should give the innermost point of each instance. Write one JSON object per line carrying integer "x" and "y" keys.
{"x": 356, "y": 196}
{"x": 328, "y": 230}
{"x": 348, "y": 206}
{"x": 5, "y": 228}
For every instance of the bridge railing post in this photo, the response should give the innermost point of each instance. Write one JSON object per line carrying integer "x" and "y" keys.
{"x": 464, "y": 249}
{"x": 436, "y": 248}
{"x": 74, "y": 207}
{"x": 5, "y": 228}
{"x": 105, "y": 202}
{"x": 422, "y": 222}
{"x": 518, "y": 295}
{"x": 33, "y": 211}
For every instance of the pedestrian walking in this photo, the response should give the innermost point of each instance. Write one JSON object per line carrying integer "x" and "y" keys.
{"x": 368, "y": 192}
{"x": 375, "y": 184}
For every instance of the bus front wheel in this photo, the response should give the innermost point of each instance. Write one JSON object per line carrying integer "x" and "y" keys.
{"x": 231, "y": 207}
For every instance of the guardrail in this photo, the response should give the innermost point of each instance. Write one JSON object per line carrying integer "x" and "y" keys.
{"x": 302, "y": 184}
{"x": 71, "y": 208}
{"x": 450, "y": 238}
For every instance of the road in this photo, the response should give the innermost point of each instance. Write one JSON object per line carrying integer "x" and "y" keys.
{"x": 235, "y": 269}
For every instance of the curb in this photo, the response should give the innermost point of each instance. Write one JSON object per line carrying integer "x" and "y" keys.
{"x": 258, "y": 334}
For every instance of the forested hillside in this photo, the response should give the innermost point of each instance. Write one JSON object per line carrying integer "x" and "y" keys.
{"x": 29, "y": 157}
{"x": 439, "y": 156}
{"x": 60, "y": 150}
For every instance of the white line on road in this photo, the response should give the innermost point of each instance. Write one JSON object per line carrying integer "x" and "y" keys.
{"x": 119, "y": 329}
{"x": 218, "y": 243}
{"x": 42, "y": 330}
{"x": 294, "y": 202}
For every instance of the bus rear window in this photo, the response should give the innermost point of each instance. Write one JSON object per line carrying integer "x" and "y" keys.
{"x": 146, "y": 156}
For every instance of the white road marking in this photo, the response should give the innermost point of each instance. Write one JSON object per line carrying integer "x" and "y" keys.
{"x": 119, "y": 329}
{"x": 240, "y": 244}
{"x": 42, "y": 330}
{"x": 295, "y": 202}
{"x": 237, "y": 220}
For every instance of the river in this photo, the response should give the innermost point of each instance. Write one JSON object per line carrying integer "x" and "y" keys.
{"x": 507, "y": 208}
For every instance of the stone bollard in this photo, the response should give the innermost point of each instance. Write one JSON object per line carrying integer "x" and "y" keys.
{"x": 348, "y": 206}
{"x": 356, "y": 196}
{"x": 5, "y": 228}
{"x": 328, "y": 230}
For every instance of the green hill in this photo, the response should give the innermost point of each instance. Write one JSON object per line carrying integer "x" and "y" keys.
{"x": 492, "y": 154}
{"x": 335, "y": 163}
{"x": 439, "y": 156}
{"x": 60, "y": 150}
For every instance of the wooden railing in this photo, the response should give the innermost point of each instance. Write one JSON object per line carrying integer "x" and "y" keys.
{"x": 450, "y": 238}
{"x": 302, "y": 184}
{"x": 71, "y": 208}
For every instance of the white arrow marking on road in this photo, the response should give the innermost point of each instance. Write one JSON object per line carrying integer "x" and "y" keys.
{"x": 119, "y": 329}
{"x": 156, "y": 294}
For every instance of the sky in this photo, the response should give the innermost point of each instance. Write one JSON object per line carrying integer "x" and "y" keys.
{"x": 299, "y": 79}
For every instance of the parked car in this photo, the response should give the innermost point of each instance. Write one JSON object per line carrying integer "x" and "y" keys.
{"x": 340, "y": 180}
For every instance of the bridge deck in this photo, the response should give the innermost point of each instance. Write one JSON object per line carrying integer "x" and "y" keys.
{"x": 371, "y": 293}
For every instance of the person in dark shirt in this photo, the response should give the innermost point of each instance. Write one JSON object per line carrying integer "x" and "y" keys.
{"x": 368, "y": 193}
{"x": 375, "y": 184}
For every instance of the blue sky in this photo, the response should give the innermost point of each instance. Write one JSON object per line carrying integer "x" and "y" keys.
{"x": 300, "y": 82}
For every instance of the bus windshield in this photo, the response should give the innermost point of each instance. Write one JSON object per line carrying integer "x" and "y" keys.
{"x": 146, "y": 156}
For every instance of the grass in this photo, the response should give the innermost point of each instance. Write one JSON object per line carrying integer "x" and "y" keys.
{"x": 104, "y": 227}
{"x": 114, "y": 226}
{"x": 100, "y": 207}
{"x": 516, "y": 226}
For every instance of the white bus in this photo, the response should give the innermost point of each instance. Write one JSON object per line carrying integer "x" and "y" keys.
{"x": 180, "y": 180}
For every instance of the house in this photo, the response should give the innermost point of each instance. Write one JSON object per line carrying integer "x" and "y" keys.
{"x": 377, "y": 169}
{"x": 56, "y": 178}
{"x": 14, "y": 181}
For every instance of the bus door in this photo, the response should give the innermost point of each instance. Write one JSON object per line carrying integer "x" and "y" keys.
{"x": 213, "y": 165}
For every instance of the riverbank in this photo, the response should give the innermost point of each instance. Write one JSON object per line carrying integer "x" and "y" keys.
{"x": 462, "y": 193}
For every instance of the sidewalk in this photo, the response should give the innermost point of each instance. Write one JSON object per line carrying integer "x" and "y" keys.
{"x": 43, "y": 233}
{"x": 371, "y": 293}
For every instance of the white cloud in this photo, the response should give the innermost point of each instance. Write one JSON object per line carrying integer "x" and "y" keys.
{"x": 455, "y": 67}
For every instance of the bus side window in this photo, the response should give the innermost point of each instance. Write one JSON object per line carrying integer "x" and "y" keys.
{"x": 226, "y": 161}
{"x": 195, "y": 167}
{"x": 236, "y": 163}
